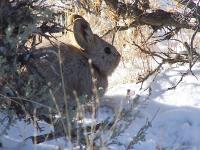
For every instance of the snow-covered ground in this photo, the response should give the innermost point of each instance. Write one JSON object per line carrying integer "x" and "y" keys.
{"x": 177, "y": 124}
{"x": 174, "y": 114}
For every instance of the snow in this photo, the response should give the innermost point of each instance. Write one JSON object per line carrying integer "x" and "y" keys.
{"x": 174, "y": 114}
{"x": 17, "y": 137}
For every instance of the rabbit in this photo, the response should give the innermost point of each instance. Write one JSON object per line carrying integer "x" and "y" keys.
{"x": 67, "y": 68}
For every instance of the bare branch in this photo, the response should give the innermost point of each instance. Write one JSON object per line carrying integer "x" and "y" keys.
{"x": 188, "y": 3}
{"x": 155, "y": 18}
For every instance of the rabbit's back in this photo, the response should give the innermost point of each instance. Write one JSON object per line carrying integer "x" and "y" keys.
{"x": 68, "y": 62}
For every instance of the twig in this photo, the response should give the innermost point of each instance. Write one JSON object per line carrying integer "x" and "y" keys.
{"x": 53, "y": 135}
{"x": 141, "y": 133}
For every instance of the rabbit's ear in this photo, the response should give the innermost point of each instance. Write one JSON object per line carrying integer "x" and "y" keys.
{"x": 82, "y": 31}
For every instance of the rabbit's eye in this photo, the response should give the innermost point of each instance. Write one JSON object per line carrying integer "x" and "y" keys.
{"x": 107, "y": 50}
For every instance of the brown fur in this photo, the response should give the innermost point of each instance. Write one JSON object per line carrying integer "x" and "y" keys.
{"x": 74, "y": 61}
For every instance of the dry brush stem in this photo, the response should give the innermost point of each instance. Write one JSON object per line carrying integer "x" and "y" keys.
{"x": 189, "y": 4}
{"x": 154, "y": 18}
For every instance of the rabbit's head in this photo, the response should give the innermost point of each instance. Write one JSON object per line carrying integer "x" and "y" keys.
{"x": 104, "y": 56}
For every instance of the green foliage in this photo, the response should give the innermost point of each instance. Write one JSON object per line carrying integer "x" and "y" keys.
{"x": 20, "y": 23}
{"x": 7, "y": 119}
